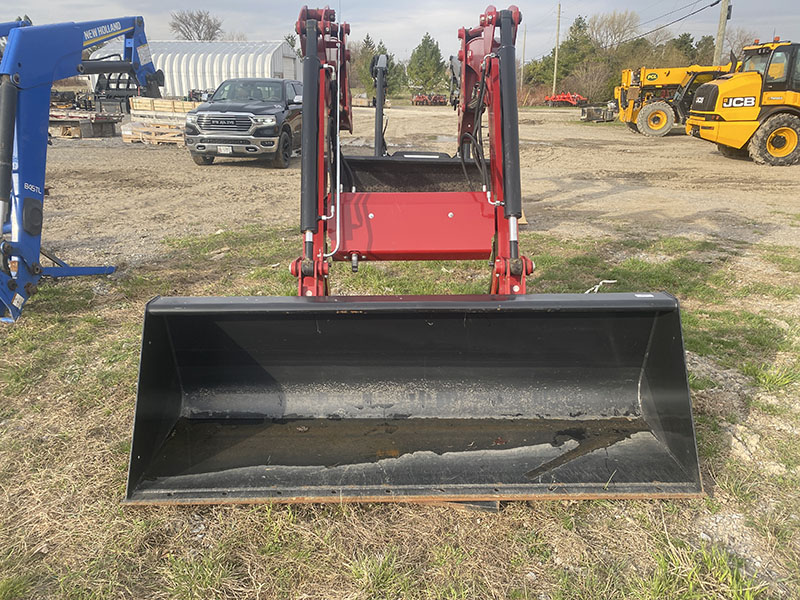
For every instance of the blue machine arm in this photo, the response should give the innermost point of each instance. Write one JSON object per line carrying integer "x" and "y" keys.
{"x": 34, "y": 58}
{"x": 5, "y": 28}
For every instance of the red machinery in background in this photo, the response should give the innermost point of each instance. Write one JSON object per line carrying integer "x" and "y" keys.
{"x": 412, "y": 206}
{"x": 566, "y": 99}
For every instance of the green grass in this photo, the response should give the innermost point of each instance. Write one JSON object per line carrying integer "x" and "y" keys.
{"x": 781, "y": 292}
{"x": 15, "y": 587}
{"x": 197, "y": 577}
{"x": 686, "y": 573}
{"x": 381, "y": 575}
{"x": 786, "y": 258}
{"x": 734, "y": 337}
{"x": 79, "y": 354}
{"x": 698, "y": 383}
{"x": 682, "y": 572}
{"x": 772, "y": 377}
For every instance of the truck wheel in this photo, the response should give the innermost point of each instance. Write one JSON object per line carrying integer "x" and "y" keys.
{"x": 632, "y": 127}
{"x": 284, "y": 152}
{"x": 730, "y": 152}
{"x": 777, "y": 141}
{"x": 656, "y": 119}
{"x": 202, "y": 159}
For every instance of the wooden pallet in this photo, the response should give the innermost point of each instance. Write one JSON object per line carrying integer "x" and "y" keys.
{"x": 163, "y": 105}
{"x": 152, "y": 133}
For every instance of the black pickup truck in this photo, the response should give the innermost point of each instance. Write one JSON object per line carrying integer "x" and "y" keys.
{"x": 247, "y": 117}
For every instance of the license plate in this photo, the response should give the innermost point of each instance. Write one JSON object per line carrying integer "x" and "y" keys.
{"x": 225, "y": 149}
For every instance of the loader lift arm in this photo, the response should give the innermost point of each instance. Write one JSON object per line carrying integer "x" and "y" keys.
{"x": 34, "y": 58}
{"x": 366, "y": 221}
{"x": 5, "y": 28}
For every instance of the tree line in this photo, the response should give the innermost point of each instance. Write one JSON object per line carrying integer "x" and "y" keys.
{"x": 425, "y": 71}
{"x": 596, "y": 49}
{"x": 590, "y": 59}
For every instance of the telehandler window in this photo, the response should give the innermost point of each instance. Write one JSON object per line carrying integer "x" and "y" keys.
{"x": 777, "y": 67}
{"x": 796, "y": 76}
{"x": 755, "y": 62}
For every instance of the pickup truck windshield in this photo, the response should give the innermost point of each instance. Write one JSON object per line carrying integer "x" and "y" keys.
{"x": 263, "y": 91}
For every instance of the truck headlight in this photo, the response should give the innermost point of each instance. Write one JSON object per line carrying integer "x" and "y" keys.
{"x": 264, "y": 120}
{"x": 191, "y": 119}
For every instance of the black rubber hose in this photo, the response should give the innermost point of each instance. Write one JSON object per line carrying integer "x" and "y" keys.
{"x": 8, "y": 115}
{"x": 512, "y": 187}
{"x": 309, "y": 184}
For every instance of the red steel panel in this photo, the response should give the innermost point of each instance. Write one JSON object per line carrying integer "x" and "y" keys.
{"x": 414, "y": 226}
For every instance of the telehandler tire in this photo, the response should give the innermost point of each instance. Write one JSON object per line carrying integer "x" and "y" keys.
{"x": 283, "y": 153}
{"x": 202, "y": 159}
{"x": 632, "y": 127}
{"x": 730, "y": 152}
{"x": 656, "y": 119}
{"x": 777, "y": 141}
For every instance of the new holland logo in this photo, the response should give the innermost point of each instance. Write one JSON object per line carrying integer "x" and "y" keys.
{"x": 652, "y": 76}
{"x": 740, "y": 102}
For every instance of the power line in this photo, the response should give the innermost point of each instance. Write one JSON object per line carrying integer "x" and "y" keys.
{"x": 672, "y": 12}
{"x": 636, "y": 37}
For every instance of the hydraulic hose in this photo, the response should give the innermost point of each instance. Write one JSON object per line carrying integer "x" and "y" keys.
{"x": 8, "y": 114}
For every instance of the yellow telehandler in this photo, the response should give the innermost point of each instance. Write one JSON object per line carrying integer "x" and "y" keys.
{"x": 756, "y": 110}
{"x": 653, "y": 101}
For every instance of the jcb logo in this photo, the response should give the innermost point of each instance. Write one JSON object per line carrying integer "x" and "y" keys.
{"x": 739, "y": 102}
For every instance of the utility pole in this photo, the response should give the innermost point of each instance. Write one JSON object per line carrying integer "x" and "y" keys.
{"x": 558, "y": 34}
{"x": 522, "y": 62}
{"x": 723, "y": 21}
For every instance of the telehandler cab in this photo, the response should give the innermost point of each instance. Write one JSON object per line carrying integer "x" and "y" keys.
{"x": 755, "y": 111}
{"x": 502, "y": 396}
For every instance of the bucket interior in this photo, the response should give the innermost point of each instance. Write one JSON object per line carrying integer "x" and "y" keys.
{"x": 411, "y": 172}
{"x": 435, "y": 398}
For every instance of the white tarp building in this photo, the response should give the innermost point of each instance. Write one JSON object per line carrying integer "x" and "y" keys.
{"x": 191, "y": 65}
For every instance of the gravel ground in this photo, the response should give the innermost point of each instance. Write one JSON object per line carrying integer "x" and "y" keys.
{"x": 112, "y": 202}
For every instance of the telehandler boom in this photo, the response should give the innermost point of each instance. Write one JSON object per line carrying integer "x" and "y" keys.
{"x": 322, "y": 398}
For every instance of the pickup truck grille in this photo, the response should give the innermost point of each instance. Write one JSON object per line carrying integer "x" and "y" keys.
{"x": 224, "y": 141}
{"x": 224, "y": 122}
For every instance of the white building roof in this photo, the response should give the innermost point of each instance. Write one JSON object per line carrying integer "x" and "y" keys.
{"x": 191, "y": 65}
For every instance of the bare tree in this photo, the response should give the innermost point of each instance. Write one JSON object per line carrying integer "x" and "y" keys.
{"x": 607, "y": 31}
{"x": 235, "y": 36}
{"x": 195, "y": 25}
{"x": 590, "y": 78}
{"x": 737, "y": 38}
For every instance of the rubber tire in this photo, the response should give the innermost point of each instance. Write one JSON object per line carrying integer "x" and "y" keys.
{"x": 202, "y": 159}
{"x": 734, "y": 153}
{"x": 283, "y": 152}
{"x": 632, "y": 127}
{"x": 649, "y": 109}
{"x": 757, "y": 147}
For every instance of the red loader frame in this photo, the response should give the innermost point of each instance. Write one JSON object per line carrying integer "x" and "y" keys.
{"x": 412, "y": 225}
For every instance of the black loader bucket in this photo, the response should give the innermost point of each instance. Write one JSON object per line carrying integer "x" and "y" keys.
{"x": 435, "y": 398}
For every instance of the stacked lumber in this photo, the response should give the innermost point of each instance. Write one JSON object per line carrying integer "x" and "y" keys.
{"x": 152, "y": 133}
{"x": 161, "y": 110}
{"x": 157, "y": 121}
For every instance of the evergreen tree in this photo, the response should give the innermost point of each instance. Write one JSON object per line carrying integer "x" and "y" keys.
{"x": 426, "y": 69}
{"x": 395, "y": 71}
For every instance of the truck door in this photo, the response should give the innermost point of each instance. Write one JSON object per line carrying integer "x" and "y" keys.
{"x": 295, "y": 111}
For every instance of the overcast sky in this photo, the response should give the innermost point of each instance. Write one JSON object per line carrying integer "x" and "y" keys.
{"x": 402, "y": 24}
